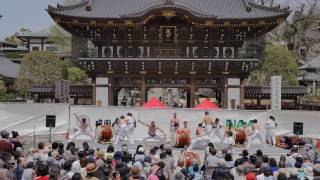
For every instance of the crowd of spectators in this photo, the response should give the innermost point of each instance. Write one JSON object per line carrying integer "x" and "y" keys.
{"x": 60, "y": 162}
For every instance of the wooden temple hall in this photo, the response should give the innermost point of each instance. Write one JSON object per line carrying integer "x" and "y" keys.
{"x": 172, "y": 49}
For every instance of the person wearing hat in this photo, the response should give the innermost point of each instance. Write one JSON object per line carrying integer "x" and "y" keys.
{"x": 91, "y": 169}
{"x": 293, "y": 173}
{"x": 100, "y": 155}
{"x": 308, "y": 172}
{"x": 6, "y": 147}
{"x": 140, "y": 154}
{"x": 251, "y": 176}
{"x": 316, "y": 171}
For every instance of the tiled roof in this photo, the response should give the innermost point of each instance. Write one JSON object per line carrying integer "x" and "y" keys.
{"x": 313, "y": 64}
{"x": 217, "y": 9}
{"x": 41, "y": 33}
{"x": 49, "y": 90}
{"x": 257, "y": 90}
{"x": 310, "y": 77}
{"x": 8, "y": 68}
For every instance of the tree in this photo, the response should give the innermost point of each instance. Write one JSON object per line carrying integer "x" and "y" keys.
{"x": 39, "y": 67}
{"x": 4, "y": 94}
{"x": 77, "y": 75}
{"x": 60, "y": 37}
{"x": 279, "y": 61}
{"x": 14, "y": 38}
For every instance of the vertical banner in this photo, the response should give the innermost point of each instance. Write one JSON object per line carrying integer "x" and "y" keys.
{"x": 276, "y": 93}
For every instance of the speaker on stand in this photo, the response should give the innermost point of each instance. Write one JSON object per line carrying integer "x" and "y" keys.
{"x": 298, "y": 130}
{"x": 50, "y": 123}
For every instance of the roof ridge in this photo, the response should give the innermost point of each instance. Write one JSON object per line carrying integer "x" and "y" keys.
{"x": 274, "y": 8}
{"x": 155, "y": 5}
{"x": 63, "y": 7}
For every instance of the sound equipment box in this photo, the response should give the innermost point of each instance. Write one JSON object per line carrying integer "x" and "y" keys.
{"x": 51, "y": 121}
{"x": 298, "y": 128}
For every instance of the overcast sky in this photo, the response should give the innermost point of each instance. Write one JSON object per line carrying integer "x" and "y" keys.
{"x": 31, "y": 14}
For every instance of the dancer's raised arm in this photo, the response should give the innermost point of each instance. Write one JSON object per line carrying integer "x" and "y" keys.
{"x": 147, "y": 125}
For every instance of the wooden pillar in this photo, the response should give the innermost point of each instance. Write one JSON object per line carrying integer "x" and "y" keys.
{"x": 192, "y": 92}
{"x": 28, "y": 44}
{"x": 225, "y": 93}
{"x": 258, "y": 101}
{"x": 110, "y": 92}
{"x": 99, "y": 50}
{"x": 42, "y": 44}
{"x": 94, "y": 98}
{"x": 143, "y": 90}
{"x": 242, "y": 93}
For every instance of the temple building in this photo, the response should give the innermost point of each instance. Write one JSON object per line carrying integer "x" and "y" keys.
{"x": 172, "y": 49}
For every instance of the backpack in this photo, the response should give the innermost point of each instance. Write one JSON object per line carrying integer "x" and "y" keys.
{"x": 160, "y": 174}
{"x": 153, "y": 177}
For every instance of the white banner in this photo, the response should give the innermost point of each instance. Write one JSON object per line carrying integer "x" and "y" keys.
{"x": 285, "y": 119}
{"x": 25, "y": 117}
{"x": 160, "y": 116}
{"x": 276, "y": 92}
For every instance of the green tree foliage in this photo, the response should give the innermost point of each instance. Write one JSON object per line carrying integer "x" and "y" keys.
{"x": 39, "y": 68}
{"x": 277, "y": 60}
{"x": 60, "y": 37}
{"x": 4, "y": 94}
{"x": 14, "y": 38}
{"x": 77, "y": 75}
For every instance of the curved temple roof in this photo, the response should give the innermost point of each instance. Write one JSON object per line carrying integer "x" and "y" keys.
{"x": 216, "y": 9}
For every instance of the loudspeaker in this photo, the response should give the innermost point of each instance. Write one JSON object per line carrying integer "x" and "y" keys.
{"x": 298, "y": 128}
{"x": 51, "y": 121}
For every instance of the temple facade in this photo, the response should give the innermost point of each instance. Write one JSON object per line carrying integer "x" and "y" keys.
{"x": 173, "y": 49}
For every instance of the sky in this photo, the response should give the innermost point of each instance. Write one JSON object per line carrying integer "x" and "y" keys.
{"x": 30, "y": 14}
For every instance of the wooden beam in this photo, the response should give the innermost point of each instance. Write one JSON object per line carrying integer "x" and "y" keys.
{"x": 225, "y": 93}
{"x": 192, "y": 92}
{"x": 242, "y": 93}
{"x": 110, "y": 91}
{"x": 143, "y": 89}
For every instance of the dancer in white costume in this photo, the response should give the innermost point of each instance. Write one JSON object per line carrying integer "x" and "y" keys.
{"x": 152, "y": 128}
{"x": 256, "y": 134}
{"x": 115, "y": 128}
{"x": 216, "y": 130}
{"x": 131, "y": 123}
{"x": 84, "y": 124}
{"x": 271, "y": 127}
{"x": 228, "y": 141}
{"x": 123, "y": 131}
{"x": 201, "y": 139}
{"x": 207, "y": 121}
